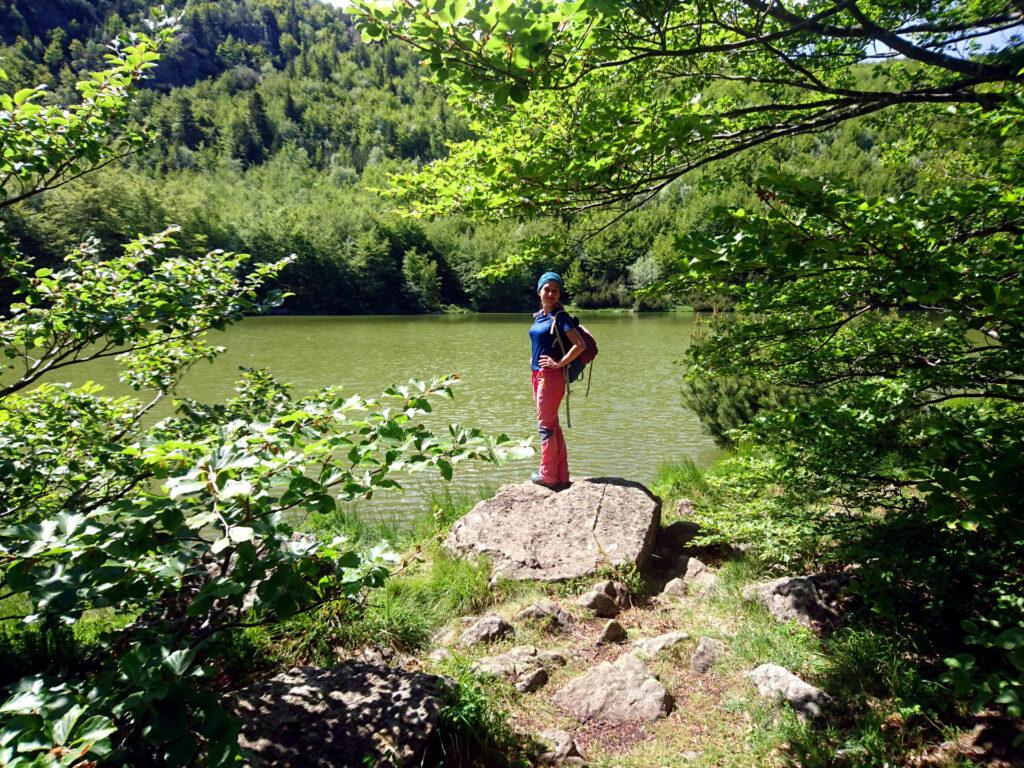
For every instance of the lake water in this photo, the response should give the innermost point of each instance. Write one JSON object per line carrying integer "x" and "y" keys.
{"x": 632, "y": 421}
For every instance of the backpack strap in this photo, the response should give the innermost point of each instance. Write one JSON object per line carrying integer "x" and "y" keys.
{"x": 568, "y": 417}
{"x": 565, "y": 371}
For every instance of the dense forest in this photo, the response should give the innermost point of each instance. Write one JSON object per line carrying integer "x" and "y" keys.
{"x": 274, "y": 126}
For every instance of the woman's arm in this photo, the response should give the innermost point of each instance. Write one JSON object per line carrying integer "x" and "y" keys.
{"x": 574, "y": 351}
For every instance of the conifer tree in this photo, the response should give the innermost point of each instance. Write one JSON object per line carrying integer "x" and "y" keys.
{"x": 272, "y": 32}
{"x": 53, "y": 56}
{"x": 186, "y": 130}
{"x": 259, "y": 125}
{"x": 291, "y": 110}
{"x": 242, "y": 145}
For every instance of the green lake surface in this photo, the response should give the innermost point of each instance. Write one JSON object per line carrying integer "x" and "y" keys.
{"x": 632, "y": 421}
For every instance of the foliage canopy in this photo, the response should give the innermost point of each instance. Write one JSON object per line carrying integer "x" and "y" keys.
{"x": 598, "y": 103}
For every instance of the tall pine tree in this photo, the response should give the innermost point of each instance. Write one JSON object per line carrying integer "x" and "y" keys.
{"x": 185, "y": 128}
{"x": 259, "y": 125}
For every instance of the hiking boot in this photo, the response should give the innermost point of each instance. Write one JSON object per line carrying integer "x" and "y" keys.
{"x": 536, "y": 479}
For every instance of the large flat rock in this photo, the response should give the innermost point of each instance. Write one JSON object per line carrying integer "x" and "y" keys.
{"x": 532, "y": 532}
{"x": 351, "y": 716}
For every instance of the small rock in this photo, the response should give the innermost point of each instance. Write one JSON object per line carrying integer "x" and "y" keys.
{"x": 375, "y": 654}
{"x": 740, "y": 549}
{"x": 617, "y": 692}
{"x": 616, "y": 590}
{"x": 613, "y": 632}
{"x": 778, "y": 682}
{"x": 600, "y": 603}
{"x": 438, "y": 655}
{"x": 553, "y": 615}
{"x": 531, "y": 681}
{"x": 792, "y": 599}
{"x": 651, "y": 646}
{"x": 699, "y": 577}
{"x": 674, "y": 588}
{"x": 706, "y": 655}
{"x": 672, "y": 540}
{"x": 684, "y": 508}
{"x": 521, "y": 665}
{"x": 562, "y": 749}
{"x": 486, "y": 630}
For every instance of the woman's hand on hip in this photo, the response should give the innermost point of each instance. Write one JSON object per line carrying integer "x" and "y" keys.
{"x": 544, "y": 361}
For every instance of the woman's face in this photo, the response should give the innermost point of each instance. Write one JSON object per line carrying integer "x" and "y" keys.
{"x": 550, "y": 293}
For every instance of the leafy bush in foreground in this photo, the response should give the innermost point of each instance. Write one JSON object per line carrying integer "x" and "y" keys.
{"x": 179, "y": 530}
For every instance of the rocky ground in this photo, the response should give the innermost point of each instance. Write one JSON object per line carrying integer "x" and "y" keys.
{"x": 622, "y": 646}
{"x": 658, "y": 684}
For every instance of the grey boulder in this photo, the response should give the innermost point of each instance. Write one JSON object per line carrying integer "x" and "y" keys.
{"x": 775, "y": 682}
{"x": 617, "y": 591}
{"x": 698, "y": 577}
{"x": 524, "y": 665}
{"x": 606, "y": 598}
{"x": 675, "y": 588}
{"x": 551, "y": 615}
{"x": 486, "y": 629}
{"x": 792, "y": 599}
{"x": 648, "y": 647}
{"x": 706, "y": 655}
{"x": 532, "y": 532}
{"x": 616, "y": 692}
{"x": 561, "y": 749}
{"x": 603, "y": 606}
{"x": 613, "y": 632}
{"x": 684, "y": 508}
{"x": 355, "y": 714}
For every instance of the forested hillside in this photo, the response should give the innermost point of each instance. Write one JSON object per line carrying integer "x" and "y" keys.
{"x": 274, "y": 125}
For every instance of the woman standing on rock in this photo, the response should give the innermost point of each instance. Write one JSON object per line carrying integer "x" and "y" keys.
{"x": 549, "y": 378}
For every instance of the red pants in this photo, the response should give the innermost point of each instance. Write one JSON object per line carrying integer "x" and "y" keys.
{"x": 548, "y": 391}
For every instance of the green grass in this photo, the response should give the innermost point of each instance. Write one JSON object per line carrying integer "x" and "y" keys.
{"x": 888, "y": 704}
{"x": 474, "y": 729}
{"x": 403, "y": 614}
{"x": 31, "y": 648}
{"x": 361, "y": 529}
{"x": 681, "y": 479}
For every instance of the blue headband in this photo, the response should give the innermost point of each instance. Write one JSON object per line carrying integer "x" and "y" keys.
{"x": 547, "y": 277}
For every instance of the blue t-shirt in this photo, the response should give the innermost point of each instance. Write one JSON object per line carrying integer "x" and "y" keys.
{"x": 544, "y": 341}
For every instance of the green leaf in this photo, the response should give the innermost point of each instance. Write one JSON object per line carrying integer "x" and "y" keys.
{"x": 446, "y": 469}
{"x": 519, "y": 93}
{"x": 62, "y": 728}
{"x": 240, "y": 533}
{"x": 179, "y": 662}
